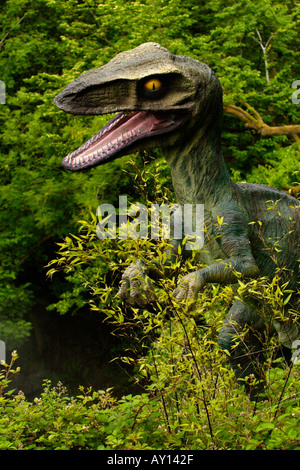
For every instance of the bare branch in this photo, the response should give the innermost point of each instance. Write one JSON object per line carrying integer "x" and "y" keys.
{"x": 251, "y": 117}
{"x": 258, "y": 124}
{"x": 265, "y": 49}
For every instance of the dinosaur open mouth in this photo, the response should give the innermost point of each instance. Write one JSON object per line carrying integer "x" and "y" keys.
{"x": 122, "y": 132}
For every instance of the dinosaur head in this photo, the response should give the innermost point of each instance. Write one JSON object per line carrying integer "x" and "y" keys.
{"x": 158, "y": 97}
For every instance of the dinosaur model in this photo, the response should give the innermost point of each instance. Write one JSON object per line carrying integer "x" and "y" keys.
{"x": 175, "y": 103}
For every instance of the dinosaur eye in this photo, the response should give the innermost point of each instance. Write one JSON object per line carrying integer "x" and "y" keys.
{"x": 153, "y": 84}
{"x": 151, "y": 88}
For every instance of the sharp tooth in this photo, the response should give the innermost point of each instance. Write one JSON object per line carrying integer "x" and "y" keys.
{"x": 133, "y": 133}
{"x": 130, "y": 134}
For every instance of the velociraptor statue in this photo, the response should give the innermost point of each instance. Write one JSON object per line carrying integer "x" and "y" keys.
{"x": 175, "y": 102}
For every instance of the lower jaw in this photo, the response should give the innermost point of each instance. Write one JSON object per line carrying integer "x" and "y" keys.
{"x": 121, "y": 136}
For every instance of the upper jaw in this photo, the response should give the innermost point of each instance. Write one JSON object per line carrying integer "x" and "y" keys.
{"x": 125, "y": 133}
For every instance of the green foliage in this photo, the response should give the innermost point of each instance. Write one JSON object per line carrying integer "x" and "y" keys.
{"x": 15, "y": 333}
{"x": 190, "y": 399}
{"x": 283, "y": 169}
{"x": 190, "y": 402}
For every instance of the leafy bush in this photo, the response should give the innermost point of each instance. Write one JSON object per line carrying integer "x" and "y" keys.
{"x": 191, "y": 402}
{"x": 191, "y": 399}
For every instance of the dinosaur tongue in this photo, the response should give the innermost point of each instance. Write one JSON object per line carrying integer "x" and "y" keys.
{"x": 121, "y": 132}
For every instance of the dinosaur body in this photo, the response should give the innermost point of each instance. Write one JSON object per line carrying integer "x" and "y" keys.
{"x": 175, "y": 103}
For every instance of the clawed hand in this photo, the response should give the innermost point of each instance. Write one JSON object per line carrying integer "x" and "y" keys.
{"x": 189, "y": 286}
{"x": 136, "y": 287}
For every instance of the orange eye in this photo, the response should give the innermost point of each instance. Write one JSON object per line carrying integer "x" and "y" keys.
{"x": 153, "y": 84}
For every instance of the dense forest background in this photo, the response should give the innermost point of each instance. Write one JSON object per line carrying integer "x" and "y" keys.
{"x": 44, "y": 45}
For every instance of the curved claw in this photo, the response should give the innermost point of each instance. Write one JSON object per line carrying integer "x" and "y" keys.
{"x": 188, "y": 287}
{"x": 136, "y": 288}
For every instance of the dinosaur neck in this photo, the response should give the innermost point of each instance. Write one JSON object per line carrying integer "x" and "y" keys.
{"x": 198, "y": 170}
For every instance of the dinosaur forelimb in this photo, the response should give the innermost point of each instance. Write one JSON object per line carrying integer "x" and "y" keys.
{"x": 223, "y": 272}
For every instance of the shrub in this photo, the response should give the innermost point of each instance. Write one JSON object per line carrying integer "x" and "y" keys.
{"x": 191, "y": 400}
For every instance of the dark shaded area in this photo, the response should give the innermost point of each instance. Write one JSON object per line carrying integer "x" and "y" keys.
{"x": 73, "y": 350}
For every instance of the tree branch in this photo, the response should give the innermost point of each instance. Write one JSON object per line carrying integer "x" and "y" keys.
{"x": 259, "y": 125}
{"x": 265, "y": 49}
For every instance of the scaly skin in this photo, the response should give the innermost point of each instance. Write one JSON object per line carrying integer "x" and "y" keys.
{"x": 181, "y": 112}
